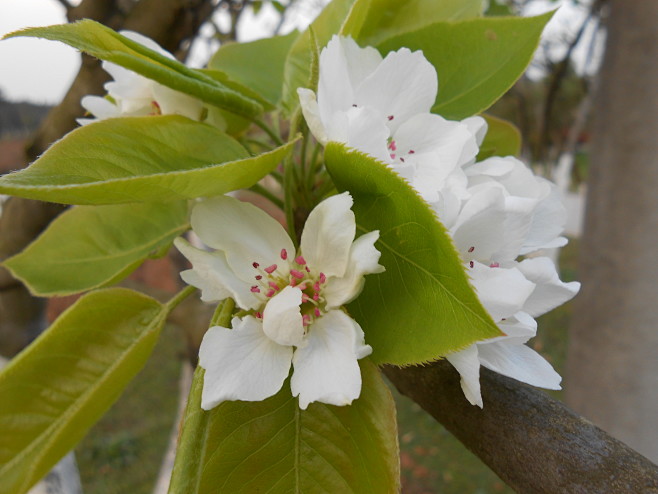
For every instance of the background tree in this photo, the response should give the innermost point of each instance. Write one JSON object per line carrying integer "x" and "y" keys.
{"x": 612, "y": 364}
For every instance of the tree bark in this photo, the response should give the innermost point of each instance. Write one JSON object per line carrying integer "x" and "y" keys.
{"x": 168, "y": 22}
{"x": 533, "y": 442}
{"x": 612, "y": 369}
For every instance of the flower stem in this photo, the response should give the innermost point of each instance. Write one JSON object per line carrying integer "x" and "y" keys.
{"x": 223, "y": 313}
{"x": 273, "y": 135}
{"x": 179, "y": 297}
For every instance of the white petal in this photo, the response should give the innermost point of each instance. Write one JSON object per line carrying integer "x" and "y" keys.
{"x": 502, "y": 291}
{"x": 550, "y": 291}
{"x": 241, "y": 364}
{"x": 328, "y": 235}
{"x": 467, "y": 364}
{"x": 244, "y": 232}
{"x": 176, "y": 103}
{"x": 363, "y": 259}
{"x": 519, "y": 362}
{"x": 282, "y": 320}
{"x": 212, "y": 275}
{"x": 99, "y": 107}
{"x": 403, "y": 85}
{"x": 366, "y": 131}
{"x": 311, "y": 112}
{"x": 326, "y": 369}
{"x": 477, "y": 126}
{"x": 548, "y": 222}
{"x": 343, "y": 66}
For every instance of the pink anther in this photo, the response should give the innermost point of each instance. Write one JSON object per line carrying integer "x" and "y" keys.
{"x": 254, "y": 289}
{"x": 284, "y": 254}
{"x": 270, "y": 293}
{"x": 270, "y": 269}
{"x": 300, "y": 260}
{"x": 323, "y": 278}
{"x": 297, "y": 274}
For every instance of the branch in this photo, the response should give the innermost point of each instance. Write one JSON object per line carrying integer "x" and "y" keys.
{"x": 533, "y": 442}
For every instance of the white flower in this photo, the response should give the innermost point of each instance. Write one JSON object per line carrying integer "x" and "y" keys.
{"x": 293, "y": 301}
{"x": 491, "y": 229}
{"x": 381, "y": 106}
{"x": 131, "y": 94}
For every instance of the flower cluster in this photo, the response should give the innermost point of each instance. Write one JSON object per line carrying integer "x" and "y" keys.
{"x": 130, "y": 94}
{"x": 495, "y": 210}
{"x": 291, "y": 301}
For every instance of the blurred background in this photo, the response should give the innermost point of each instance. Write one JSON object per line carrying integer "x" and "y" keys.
{"x": 588, "y": 121}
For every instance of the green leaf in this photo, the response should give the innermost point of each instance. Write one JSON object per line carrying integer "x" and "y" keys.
{"x": 273, "y": 446}
{"x": 477, "y": 60}
{"x": 92, "y": 246}
{"x": 156, "y": 158}
{"x": 257, "y": 65}
{"x": 57, "y": 388}
{"x": 372, "y": 21}
{"x": 422, "y": 307}
{"x": 297, "y": 70}
{"x": 104, "y": 43}
{"x": 502, "y": 139}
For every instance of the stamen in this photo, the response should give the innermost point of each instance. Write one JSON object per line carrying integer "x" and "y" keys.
{"x": 390, "y": 117}
{"x": 411, "y": 151}
{"x": 258, "y": 315}
{"x": 306, "y": 319}
{"x": 353, "y": 105}
{"x": 304, "y": 298}
{"x": 293, "y": 282}
{"x": 270, "y": 293}
{"x": 302, "y": 286}
{"x": 323, "y": 278}
{"x": 392, "y": 156}
{"x": 270, "y": 269}
{"x": 300, "y": 260}
{"x": 254, "y": 289}
{"x": 316, "y": 286}
{"x": 471, "y": 264}
{"x": 471, "y": 249}
{"x": 316, "y": 296}
{"x": 297, "y": 274}
{"x": 255, "y": 265}
{"x": 494, "y": 265}
{"x": 273, "y": 285}
{"x": 317, "y": 312}
{"x": 402, "y": 159}
{"x": 392, "y": 146}
{"x": 259, "y": 277}
{"x": 307, "y": 269}
{"x": 284, "y": 254}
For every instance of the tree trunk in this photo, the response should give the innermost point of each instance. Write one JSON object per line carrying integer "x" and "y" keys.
{"x": 612, "y": 368}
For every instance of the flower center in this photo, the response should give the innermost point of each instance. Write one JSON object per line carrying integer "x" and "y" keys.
{"x": 270, "y": 281}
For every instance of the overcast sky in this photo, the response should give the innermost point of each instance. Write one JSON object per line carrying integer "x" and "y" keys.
{"x": 41, "y": 71}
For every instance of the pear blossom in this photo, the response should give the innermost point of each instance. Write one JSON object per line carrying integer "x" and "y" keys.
{"x": 130, "y": 94}
{"x": 291, "y": 301}
{"x": 381, "y": 106}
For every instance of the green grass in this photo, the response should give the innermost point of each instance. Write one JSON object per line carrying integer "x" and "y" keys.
{"x": 123, "y": 452}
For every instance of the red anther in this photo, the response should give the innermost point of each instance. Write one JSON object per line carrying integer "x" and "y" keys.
{"x": 258, "y": 315}
{"x": 471, "y": 249}
{"x": 254, "y": 289}
{"x": 270, "y": 269}
{"x": 402, "y": 159}
{"x": 270, "y": 293}
{"x": 304, "y": 298}
{"x": 297, "y": 274}
{"x": 307, "y": 269}
{"x": 411, "y": 151}
{"x": 306, "y": 319}
{"x": 317, "y": 312}
{"x": 471, "y": 264}
{"x": 259, "y": 277}
{"x": 494, "y": 265}
{"x": 273, "y": 285}
{"x": 323, "y": 278}
{"x": 284, "y": 254}
{"x": 255, "y": 265}
{"x": 316, "y": 286}
{"x": 392, "y": 146}
{"x": 316, "y": 297}
{"x": 293, "y": 282}
{"x": 390, "y": 117}
{"x": 300, "y": 260}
